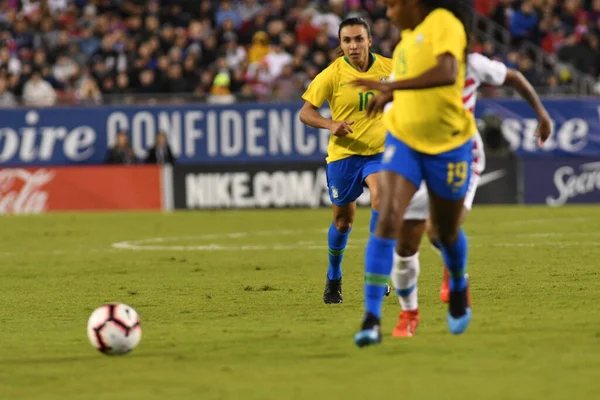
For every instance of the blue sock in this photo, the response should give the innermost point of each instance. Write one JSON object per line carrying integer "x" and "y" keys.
{"x": 455, "y": 257}
{"x": 374, "y": 215}
{"x": 379, "y": 261}
{"x": 337, "y": 245}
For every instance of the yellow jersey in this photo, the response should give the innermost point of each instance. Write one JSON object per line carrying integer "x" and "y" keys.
{"x": 349, "y": 103}
{"x": 430, "y": 121}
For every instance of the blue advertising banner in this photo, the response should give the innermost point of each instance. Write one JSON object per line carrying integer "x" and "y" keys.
{"x": 206, "y": 134}
{"x": 576, "y": 126}
{"x": 197, "y": 134}
{"x": 561, "y": 181}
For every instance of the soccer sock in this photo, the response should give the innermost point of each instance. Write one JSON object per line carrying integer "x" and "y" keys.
{"x": 379, "y": 259}
{"x": 405, "y": 275}
{"x": 337, "y": 245}
{"x": 455, "y": 257}
{"x": 374, "y": 215}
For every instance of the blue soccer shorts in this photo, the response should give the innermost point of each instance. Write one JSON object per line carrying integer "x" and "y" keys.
{"x": 445, "y": 174}
{"x": 346, "y": 177}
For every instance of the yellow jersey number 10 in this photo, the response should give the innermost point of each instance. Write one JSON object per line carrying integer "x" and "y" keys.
{"x": 364, "y": 100}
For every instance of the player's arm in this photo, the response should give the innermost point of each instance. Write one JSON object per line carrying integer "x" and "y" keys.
{"x": 310, "y": 116}
{"x": 516, "y": 80}
{"x": 378, "y": 103}
{"x": 444, "y": 73}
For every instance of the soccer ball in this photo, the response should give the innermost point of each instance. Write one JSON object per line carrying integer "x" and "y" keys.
{"x": 114, "y": 329}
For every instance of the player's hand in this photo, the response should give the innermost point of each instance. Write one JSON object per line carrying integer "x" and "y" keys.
{"x": 369, "y": 85}
{"x": 341, "y": 128}
{"x": 377, "y": 103}
{"x": 544, "y": 128}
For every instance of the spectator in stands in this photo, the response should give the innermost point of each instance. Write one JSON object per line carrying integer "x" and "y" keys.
{"x": 259, "y": 48}
{"x": 37, "y": 92}
{"x": 121, "y": 153}
{"x": 523, "y": 22}
{"x": 7, "y": 99}
{"x": 157, "y": 46}
{"x": 161, "y": 152}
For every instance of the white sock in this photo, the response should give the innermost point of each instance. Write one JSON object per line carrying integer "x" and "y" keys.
{"x": 404, "y": 276}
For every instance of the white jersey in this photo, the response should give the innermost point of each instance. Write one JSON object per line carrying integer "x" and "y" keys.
{"x": 480, "y": 70}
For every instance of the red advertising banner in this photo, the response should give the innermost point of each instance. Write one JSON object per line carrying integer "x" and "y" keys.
{"x": 85, "y": 188}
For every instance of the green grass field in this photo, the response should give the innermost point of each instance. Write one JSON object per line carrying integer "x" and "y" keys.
{"x": 231, "y": 308}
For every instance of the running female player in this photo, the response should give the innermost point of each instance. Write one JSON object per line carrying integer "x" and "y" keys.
{"x": 356, "y": 144}
{"x": 480, "y": 70}
{"x": 430, "y": 140}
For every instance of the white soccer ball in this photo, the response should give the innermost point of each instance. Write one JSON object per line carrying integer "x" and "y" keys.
{"x": 114, "y": 329}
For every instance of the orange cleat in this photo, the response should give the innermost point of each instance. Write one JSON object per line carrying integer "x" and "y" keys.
{"x": 445, "y": 289}
{"x": 407, "y": 324}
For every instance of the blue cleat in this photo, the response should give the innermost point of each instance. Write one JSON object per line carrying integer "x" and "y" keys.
{"x": 370, "y": 332}
{"x": 460, "y": 324}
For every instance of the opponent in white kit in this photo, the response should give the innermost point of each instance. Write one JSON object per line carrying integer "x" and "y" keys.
{"x": 480, "y": 70}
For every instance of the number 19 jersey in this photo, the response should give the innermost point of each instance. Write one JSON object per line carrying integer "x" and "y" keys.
{"x": 349, "y": 103}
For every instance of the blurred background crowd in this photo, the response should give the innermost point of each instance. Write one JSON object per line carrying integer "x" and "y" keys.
{"x": 220, "y": 51}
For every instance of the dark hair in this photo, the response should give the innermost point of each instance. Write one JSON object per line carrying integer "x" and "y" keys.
{"x": 354, "y": 22}
{"x": 462, "y": 9}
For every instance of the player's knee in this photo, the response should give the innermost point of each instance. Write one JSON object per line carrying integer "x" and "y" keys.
{"x": 343, "y": 224}
{"x": 406, "y": 249}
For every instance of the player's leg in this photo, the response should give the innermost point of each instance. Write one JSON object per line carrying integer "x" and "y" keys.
{"x": 345, "y": 186}
{"x": 371, "y": 178}
{"x": 400, "y": 177}
{"x": 406, "y": 269}
{"x": 405, "y": 275}
{"x": 447, "y": 176}
{"x": 371, "y": 170}
{"x": 337, "y": 239}
{"x": 434, "y": 238}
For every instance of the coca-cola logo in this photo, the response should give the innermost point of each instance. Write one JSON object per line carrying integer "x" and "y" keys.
{"x": 21, "y": 190}
{"x": 570, "y": 185}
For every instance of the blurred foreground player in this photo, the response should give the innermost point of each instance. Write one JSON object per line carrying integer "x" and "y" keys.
{"x": 480, "y": 70}
{"x": 430, "y": 139}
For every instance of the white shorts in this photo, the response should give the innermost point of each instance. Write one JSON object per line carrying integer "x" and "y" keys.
{"x": 418, "y": 209}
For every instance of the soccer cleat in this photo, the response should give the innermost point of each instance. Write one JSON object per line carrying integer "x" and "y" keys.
{"x": 459, "y": 311}
{"x": 445, "y": 288}
{"x": 370, "y": 332}
{"x": 408, "y": 321}
{"x": 388, "y": 290}
{"x": 333, "y": 291}
{"x": 460, "y": 324}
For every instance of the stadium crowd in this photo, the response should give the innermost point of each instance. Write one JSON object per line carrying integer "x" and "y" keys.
{"x": 99, "y": 51}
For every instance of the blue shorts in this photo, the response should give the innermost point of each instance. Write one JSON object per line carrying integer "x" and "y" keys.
{"x": 445, "y": 174}
{"x": 346, "y": 177}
